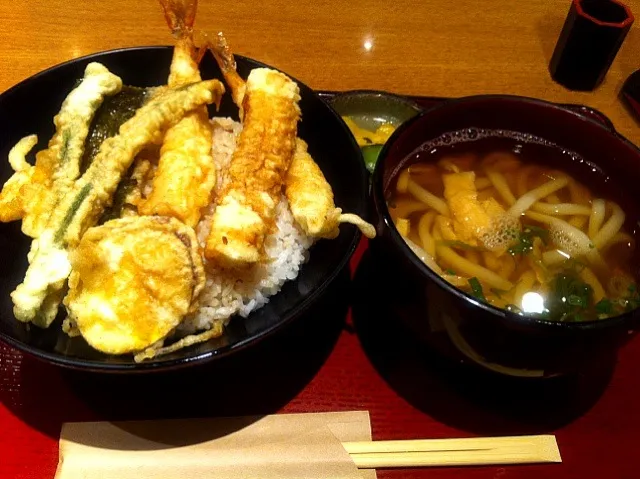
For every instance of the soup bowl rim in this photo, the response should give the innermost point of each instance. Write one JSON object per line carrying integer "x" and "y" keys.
{"x": 380, "y": 204}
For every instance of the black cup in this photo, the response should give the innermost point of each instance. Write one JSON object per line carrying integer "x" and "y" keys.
{"x": 588, "y": 43}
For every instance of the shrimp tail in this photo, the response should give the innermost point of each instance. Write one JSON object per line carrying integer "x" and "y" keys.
{"x": 227, "y": 64}
{"x": 180, "y": 15}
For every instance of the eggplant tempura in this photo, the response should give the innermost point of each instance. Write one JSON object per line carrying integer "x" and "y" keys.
{"x": 152, "y": 223}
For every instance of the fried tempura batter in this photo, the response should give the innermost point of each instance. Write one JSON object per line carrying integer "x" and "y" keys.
{"x": 245, "y": 210}
{"x": 33, "y": 191}
{"x": 133, "y": 280}
{"x": 13, "y": 202}
{"x": 309, "y": 194}
{"x": 130, "y": 191}
{"x": 37, "y": 298}
{"x": 311, "y": 199}
{"x": 186, "y": 174}
{"x": 471, "y": 217}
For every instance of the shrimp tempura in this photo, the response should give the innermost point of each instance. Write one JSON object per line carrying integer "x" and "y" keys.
{"x": 186, "y": 173}
{"x": 309, "y": 194}
{"x": 245, "y": 211}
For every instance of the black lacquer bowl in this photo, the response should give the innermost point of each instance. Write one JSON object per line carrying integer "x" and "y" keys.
{"x": 457, "y": 324}
{"x": 30, "y": 106}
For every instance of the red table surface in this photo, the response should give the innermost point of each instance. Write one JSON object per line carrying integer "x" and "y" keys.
{"x": 325, "y": 363}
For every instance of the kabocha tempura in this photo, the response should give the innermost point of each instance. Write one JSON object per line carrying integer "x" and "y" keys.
{"x": 516, "y": 234}
{"x": 154, "y": 224}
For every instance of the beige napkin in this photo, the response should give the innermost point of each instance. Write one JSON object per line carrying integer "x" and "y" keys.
{"x": 280, "y": 446}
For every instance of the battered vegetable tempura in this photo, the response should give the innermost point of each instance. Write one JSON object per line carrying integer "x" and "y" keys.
{"x": 186, "y": 174}
{"x": 311, "y": 199}
{"x": 13, "y": 198}
{"x": 32, "y": 192}
{"x": 132, "y": 282}
{"x": 245, "y": 209}
{"x": 37, "y": 298}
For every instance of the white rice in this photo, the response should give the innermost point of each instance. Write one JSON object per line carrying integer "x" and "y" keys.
{"x": 229, "y": 293}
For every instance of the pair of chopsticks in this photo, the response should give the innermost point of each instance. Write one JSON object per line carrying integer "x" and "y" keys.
{"x": 454, "y": 452}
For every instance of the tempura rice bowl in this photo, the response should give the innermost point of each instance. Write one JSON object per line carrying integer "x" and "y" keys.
{"x": 268, "y": 298}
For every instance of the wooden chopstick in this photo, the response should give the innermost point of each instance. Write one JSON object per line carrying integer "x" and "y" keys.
{"x": 454, "y": 452}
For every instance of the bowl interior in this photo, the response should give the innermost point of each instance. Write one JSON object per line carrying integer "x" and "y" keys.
{"x": 372, "y": 108}
{"x": 604, "y": 154}
{"x": 30, "y": 107}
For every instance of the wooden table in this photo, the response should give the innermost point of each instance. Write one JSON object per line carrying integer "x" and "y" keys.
{"x": 434, "y": 48}
{"x": 431, "y": 47}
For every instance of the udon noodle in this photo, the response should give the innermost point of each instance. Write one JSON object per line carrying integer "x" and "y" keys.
{"x": 516, "y": 233}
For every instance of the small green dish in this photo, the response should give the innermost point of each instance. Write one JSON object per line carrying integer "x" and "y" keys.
{"x": 369, "y": 109}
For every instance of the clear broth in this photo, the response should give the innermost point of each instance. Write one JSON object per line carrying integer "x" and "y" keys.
{"x": 539, "y": 267}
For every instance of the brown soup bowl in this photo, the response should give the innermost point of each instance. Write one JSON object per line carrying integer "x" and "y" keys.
{"x": 455, "y": 323}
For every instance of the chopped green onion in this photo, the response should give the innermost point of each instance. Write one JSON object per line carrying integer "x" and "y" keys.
{"x": 633, "y": 301}
{"x": 476, "y": 289}
{"x": 524, "y": 243}
{"x": 604, "y": 306}
{"x": 575, "y": 300}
